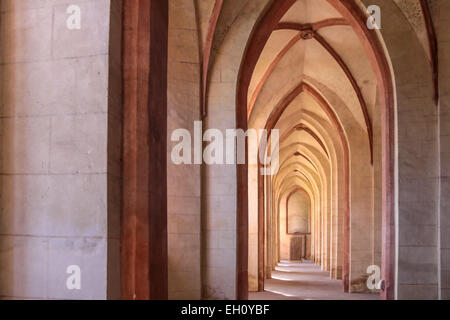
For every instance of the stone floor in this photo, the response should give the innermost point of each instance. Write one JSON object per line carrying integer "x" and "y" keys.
{"x": 304, "y": 281}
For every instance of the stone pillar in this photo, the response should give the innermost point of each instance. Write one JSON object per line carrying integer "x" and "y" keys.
{"x": 144, "y": 241}
{"x": 444, "y": 82}
{"x": 184, "y": 181}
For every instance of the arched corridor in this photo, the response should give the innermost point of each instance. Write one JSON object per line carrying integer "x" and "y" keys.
{"x": 224, "y": 149}
{"x": 326, "y": 143}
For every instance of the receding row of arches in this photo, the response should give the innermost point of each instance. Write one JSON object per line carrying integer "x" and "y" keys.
{"x": 314, "y": 71}
{"x": 337, "y": 165}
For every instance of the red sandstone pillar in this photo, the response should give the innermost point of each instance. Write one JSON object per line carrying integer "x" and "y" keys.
{"x": 144, "y": 216}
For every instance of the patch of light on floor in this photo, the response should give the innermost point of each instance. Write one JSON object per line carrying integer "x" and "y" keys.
{"x": 286, "y": 270}
{"x": 281, "y": 278}
{"x": 284, "y": 266}
{"x": 281, "y": 293}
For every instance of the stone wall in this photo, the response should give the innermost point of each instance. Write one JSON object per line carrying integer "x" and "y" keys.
{"x": 417, "y": 146}
{"x": 184, "y": 183}
{"x": 55, "y": 177}
{"x": 219, "y": 181}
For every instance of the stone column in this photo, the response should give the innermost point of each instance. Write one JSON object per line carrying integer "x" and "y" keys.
{"x": 144, "y": 236}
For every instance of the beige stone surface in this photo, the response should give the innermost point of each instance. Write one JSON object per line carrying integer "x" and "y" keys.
{"x": 184, "y": 186}
{"x": 54, "y": 173}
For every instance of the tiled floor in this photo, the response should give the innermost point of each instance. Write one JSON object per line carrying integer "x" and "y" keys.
{"x": 304, "y": 281}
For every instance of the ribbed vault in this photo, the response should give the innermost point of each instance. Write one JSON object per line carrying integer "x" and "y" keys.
{"x": 313, "y": 81}
{"x": 314, "y": 71}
